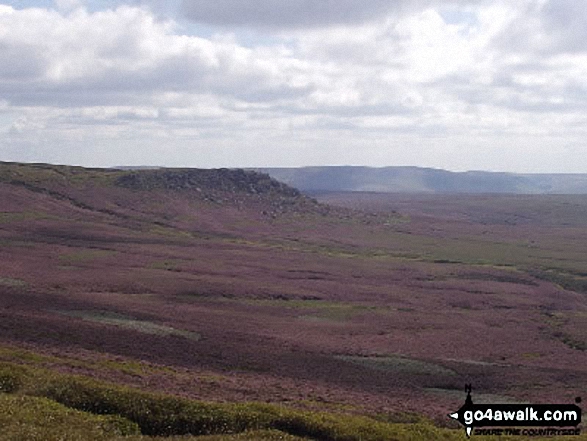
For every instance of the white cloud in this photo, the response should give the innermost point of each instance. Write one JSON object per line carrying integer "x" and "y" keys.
{"x": 424, "y": 83}
{"x": 112, "y": 56}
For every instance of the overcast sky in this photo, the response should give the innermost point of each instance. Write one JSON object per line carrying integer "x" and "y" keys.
{"x": 463, "y": 85}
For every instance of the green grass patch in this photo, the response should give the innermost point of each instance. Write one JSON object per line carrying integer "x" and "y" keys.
{"x": 502, "y": 278}
{"x": 86, "y": 255}
{"x": 99, "y": 365}
{"x": 161, "y": 415}
{"x": 321, "y": 309}
{"x": 45, "y": 174}
{"x": 557, "y": 321}
{"x": 167, "y": 265}
{"x": 570, "y": 341}
{"x": 397, "y": 363}
{"x": 8, "y": 353}
{"x": 249, "y": 435}
{"x": 480, "y": 398}
{"x": 170, "y": 232}
{"x": 50, "y": 406}
{"x": 566, "y": 281}
{"x": 35, "y": 418}
{"x": 254, "y": 435}
{"x": 531, "y": 355}
{"x": 123, "y": 321}
{"x": 9, "y": 217}
{"x": 11, "y": 282}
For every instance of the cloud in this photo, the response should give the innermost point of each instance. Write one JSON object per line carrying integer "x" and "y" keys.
{"x": 547, "y": 27}
{"x": 383, "y": 83}
{"x": 126, "y": 56}
{"x": 116, "y": 56}
{"x": 565, "y": 20}
{"x": 68, "y": 5}
{"x": 284, "y": 14}
{"x": 303, "y": 14}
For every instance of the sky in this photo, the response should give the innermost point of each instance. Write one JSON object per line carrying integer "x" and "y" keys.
{"x": 495, "y": 85}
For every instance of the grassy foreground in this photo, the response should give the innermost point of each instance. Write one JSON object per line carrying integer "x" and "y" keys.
{"x": 37, "y": 404}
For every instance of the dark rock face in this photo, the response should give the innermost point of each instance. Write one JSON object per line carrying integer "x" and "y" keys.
{"x": 227, "y": 180}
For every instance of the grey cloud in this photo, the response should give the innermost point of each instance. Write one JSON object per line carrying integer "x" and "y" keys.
{"x": 347, "y": 111}
{"x": 507, "y": 93}
{"x": 291, "y": 14}
{"x": 285, "y": 13}
{"x": 566, "y": 22}
{"x": 119, "y": 88}
{"x": 21, "y": 62}
{"x": 553, "y": 27}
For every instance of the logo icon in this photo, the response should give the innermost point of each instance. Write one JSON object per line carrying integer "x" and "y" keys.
{"x": 554, "y": 416}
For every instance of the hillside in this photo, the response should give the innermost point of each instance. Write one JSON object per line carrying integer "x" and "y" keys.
{"x": 425, "y": 180}
{"x": 204, "y": 181}
{"x": 354, "y": 314}
{"x": 120, "y": 194}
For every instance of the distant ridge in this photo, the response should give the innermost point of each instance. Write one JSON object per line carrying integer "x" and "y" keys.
{"x": 424, "y": 180}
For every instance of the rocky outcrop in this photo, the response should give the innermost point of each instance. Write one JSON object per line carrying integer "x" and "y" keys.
{"x": 225, "y": 180}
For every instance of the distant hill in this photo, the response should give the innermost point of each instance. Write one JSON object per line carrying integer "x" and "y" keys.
{"x": 424, "y": 180}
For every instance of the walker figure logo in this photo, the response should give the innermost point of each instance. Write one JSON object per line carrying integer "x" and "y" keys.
{"x": 553, "y": 416}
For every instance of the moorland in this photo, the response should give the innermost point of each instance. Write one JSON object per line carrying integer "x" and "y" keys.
{"x": 224, "y": 304}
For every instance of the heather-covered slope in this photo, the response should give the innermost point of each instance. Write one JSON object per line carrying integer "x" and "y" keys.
{"x": 223, "y": 285}
{"x": 188, "y": 199}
